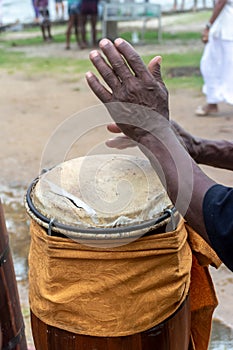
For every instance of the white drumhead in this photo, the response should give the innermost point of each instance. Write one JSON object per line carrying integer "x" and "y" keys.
{"x": 101, "y": 191}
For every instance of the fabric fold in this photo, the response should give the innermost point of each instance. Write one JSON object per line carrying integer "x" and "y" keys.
{"x": 122, "y": 290}
{"x": 203, "y": 300}
{"x": 108, "y": 292}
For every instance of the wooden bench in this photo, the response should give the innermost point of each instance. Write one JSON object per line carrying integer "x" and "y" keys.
{"x": 131, "y": 11}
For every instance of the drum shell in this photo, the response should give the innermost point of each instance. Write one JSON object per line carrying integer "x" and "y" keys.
{"x": 172, "y": 334}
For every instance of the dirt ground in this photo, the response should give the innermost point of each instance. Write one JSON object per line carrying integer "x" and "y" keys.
{"x": 34, "y": 111}
{"x": 32, "y": 108}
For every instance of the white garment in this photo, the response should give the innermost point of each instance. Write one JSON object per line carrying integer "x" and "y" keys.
{"x": 223, "y": 25}
{"x": 217, "y": 70}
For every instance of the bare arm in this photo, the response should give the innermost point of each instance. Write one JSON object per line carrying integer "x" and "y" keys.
{"x": 217, "y": 10}
{"x": 148, "y": 125}
{"x": 216, "y": 153}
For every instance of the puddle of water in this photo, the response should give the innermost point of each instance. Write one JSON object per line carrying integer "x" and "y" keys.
{"x": 222, "y": 337}
{"x": 17, "y": 223}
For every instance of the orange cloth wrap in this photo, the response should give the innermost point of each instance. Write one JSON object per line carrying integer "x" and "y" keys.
{"x": 203, "y": 299}
{"x": 108, "y": 292}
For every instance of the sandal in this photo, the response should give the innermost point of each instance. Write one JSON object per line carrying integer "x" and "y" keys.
{"x": 203, "y": 111}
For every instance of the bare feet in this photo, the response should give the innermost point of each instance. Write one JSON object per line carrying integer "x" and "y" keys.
{"x": 82, "y": 45}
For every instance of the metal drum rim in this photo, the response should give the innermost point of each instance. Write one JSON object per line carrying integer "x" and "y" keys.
{"x": 119, "y": 232}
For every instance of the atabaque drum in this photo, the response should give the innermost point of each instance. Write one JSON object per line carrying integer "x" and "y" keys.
{"x": 109, "y": 262}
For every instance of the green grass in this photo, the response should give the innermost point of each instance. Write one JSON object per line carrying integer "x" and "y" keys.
{"x": 17, "y": 61}
{"x": 172, "y": 60}
{"x": 35, "y": 39}
{"x": 151, "y": 37}
{"x": 176, "y": 60}
{"x": 192, "y": 82}
{"x": 14, "y": 61}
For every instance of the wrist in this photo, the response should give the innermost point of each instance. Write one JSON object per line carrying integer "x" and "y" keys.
{"x": 158, "y": 137}
{"x": 208, "y": 25}
{"x": 197, "y": 149}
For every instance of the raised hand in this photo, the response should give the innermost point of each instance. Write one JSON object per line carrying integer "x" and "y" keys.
{"x": 129, "y": 85}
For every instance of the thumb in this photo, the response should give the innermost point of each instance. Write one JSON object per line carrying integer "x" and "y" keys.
{"x": 154, "y": 68}
{"x": 113, "y": 128}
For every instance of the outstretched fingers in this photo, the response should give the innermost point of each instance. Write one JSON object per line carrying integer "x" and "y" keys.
{"x": 131, "y": 56}
{"x": 99, "y": 90}
{"x": 104, "y": 69}
{"x": 115, "y": 58}
{"x": 137, "y": 65}
{"x": 124, "y": 60}
{"x": 154, "y": 66}
{"x": 121, "y": 142}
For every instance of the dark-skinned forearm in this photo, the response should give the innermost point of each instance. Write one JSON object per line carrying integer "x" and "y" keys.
{"x": 217, "y": 9}
{"x": 218, "y": 154}
{"x": 184, "y": 181}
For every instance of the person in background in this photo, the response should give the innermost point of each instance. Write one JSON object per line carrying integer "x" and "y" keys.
{"x": 217, "y": 60}
{"x": 89, "y": 8}
{"x": 59, "y": 5}
{"x": 74, "y": 21}
{"x": 181, "y": 6}
{"x": 194, "y": 4}
{"x": 137, "y": 100}
{"x": 36, "y": 19}
{"x": 45, "y": 23}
